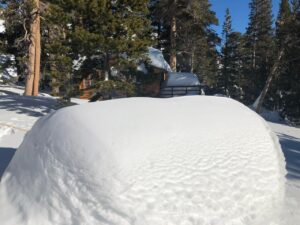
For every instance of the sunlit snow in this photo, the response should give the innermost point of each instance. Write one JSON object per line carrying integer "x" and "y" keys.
{"x": 188, "y": 160}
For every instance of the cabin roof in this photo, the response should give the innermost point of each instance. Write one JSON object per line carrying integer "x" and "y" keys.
{"x": 181, "y": 79}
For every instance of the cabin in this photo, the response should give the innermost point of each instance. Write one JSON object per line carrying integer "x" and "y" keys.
{"x": 155, "y": 79}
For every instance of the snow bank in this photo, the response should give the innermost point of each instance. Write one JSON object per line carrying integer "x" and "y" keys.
{"x": 188, "y": 160}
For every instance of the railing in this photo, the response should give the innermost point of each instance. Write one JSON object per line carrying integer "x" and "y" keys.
{"x": 172, "y": 91}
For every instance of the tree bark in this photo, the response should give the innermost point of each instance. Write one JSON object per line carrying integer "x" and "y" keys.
{"x": 31, "y": 86}
{"x": 31, "y": 63}
{"x": 37, "y": 56}
{"x": 173, "y": 58}
{"x": 272, "y": 74}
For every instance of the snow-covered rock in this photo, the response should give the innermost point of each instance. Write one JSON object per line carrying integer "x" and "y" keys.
{"x": 188, "y": 160}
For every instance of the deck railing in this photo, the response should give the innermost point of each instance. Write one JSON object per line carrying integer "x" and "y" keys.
{"x": 172, "y": 91}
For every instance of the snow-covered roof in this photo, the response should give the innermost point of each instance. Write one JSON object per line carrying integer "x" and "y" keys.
{"x": 188, "y": 160}
{"x": 182, "y": 79}
{"x": 156, "y": 59}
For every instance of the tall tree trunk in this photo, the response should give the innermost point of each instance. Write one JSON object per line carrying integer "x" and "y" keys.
{"x": 31, "y": 87}
{"x": 272, "y": 74}
{"x": 173, "y": 59}
{"x": 31, "y": 68}
{"x": 37, "y": 55}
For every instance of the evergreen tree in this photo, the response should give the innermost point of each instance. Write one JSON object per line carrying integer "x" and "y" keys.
{"x": 283, "y": 21}
{"x": 117, "y": 31}
{"x": 288, "y": 82}
{"x": 57, "y": 52}
{"x": 259, "y": 47}
{"x": 230, "y": 79}
{"x": 195, "y": 41}
{"x": 17, "y": 16}
{"x": 112, "y": 36}
{"x": 226, "y": 78}
{"x": 169, "y": 12}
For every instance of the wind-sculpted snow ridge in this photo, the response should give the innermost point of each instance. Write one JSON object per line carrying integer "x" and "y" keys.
{"x": 188, "y": 160}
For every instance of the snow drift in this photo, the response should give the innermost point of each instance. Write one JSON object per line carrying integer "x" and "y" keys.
{"x": 187, "y": 160}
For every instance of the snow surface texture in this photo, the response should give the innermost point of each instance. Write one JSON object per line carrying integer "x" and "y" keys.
{"x": 188, "y": 160}
{"x": 182, "y": 79}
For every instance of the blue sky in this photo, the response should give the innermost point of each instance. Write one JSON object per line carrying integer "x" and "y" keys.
{"x": 239, "y": 10}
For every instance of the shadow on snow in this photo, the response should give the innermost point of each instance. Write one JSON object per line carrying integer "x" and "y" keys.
{"x": 6, "y": 155}
{"x": 291, "y": 150}
{"x": 26, "y": 105}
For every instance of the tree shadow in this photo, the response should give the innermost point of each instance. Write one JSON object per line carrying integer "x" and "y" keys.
{"x": 32, "y": 106}
{"x": 291, "y": 150}
{"x": 6, "y": 155}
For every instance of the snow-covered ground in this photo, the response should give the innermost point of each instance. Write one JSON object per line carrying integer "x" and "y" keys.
{"x": 18, "y": 113}
{"x": 155, "y": 173}
{"x": 289, "y": 138}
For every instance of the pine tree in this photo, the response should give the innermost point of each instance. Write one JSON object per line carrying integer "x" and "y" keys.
{"x": 196, "y": 42}
{"x": 283, "y": 26}
{"x": 17, "y": 15}
{"x": 169, "y": 11}
{"x": 226, "y": 77}
{"x": 288, "y": 82}
{"x": 259, "y": 47}
{"x": 230, "y": 79}
{"x": 23, "y": 39}
{"x": 57, "y": 52}
{"x": 108, "y": 34}
{"x": 283, "y": 21}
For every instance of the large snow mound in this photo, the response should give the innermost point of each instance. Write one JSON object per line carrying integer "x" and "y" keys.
{"x": 188, "y": 160}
